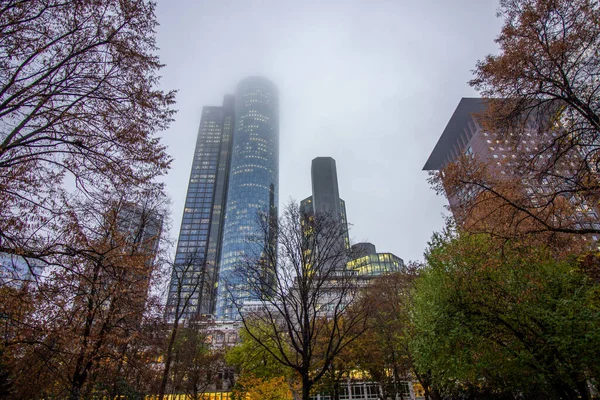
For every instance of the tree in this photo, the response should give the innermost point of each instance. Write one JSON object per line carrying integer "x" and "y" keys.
{"x": 196, "y": 363}
{"x": 254, "y": 365}
{"x": 302, "y": 313}
{"x": 73, "y": 329}
{"x": 496, "y": 319}
{"x": 182, "y": 300}
{"x": 250, "y": 387}
{"x": 543, "y": 100}
{"x": 383, "y": 351}
{"x": 79, "y": 110}
{"x": 249, "y": 356}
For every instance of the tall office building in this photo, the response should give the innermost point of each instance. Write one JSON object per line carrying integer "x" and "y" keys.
{"x": 143, "y": 227}
{"x": 253, "y": 186}
{"x": 325, "y": 199}
{"x": 195, "y": 274}
{"x": 464, "y": 135}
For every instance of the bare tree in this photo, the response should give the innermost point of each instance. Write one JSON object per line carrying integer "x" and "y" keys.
{"x": 79, "y": 110}
{"x": 298, "y": 297}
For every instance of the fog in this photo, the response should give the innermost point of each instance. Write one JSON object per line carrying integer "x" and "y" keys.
{"x": 369, "y": 83}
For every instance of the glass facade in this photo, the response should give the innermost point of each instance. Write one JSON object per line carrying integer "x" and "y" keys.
{"x": 376, "y": 264}
{"x": 253, "y": 184}
{"x": 325, "y": 199}
{"x": 194, "y": 279}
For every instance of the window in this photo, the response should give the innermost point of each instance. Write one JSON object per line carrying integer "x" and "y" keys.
{"x": 358, "y": 391}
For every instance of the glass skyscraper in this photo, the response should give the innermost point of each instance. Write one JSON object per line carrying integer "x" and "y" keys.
{"x": 325, "y": 199}
{"x": 253, "y": 184}
{"x": 195, "y": 273}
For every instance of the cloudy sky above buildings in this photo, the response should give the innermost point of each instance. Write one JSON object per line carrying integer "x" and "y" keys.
{"x": 371, "y": 83}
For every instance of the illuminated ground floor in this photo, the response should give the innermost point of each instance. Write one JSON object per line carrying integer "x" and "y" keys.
{"x": 372, "y": 391}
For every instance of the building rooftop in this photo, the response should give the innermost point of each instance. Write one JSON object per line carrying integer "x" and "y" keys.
{"x": 455, "y": 127}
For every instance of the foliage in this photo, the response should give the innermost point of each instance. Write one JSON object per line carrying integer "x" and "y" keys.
{"x": 5, "y": 383}
{"x": 250, "y": 357}
{"x": 78, "y": 325}
{"x": 542, "y": 104}
{"x": 196, "y": 365}
{"x": 497, "y": 319}
{"x": 383, "y": 350}
{"x": 250, "y": 387}
{"x": 79, "y": 114}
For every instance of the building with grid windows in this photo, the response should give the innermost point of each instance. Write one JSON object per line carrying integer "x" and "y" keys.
{"x": 253, "y": 187}
{"x": 464, "y": 135}
{"x": 195, "y": 272}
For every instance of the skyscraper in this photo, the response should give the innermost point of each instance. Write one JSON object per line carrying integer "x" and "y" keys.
{"x": 325, "y": 199}
{"x": 462, "y": 135}
{"x": 195, "y": 274}
{"x": 465, "y": 135}
{"x": 253, "y": 185}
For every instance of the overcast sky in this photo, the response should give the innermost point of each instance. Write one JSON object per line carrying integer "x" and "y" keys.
{"x": 371, "y": 83}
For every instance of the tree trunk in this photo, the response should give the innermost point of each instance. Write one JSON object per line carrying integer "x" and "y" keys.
{"x": 583, "y": 390}
{"x": 306, "y": 385}
{"x": 75, "y": 393}
{"x": 336, "y": 390}
{"x": 168, "y": 359}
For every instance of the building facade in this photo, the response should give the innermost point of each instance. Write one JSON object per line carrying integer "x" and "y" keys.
{"x": 142, "y": 226}
{"x": 195, "y": 272}
{"x": 17, "y": 272}
{"x": 253, "y": 187}
{"x": 325, "y": 199}
{"x": 464, "y": 135}
{"x": 368, "y": 263}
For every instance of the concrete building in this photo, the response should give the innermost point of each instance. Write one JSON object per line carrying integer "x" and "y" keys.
{"x": 141, "y": 226}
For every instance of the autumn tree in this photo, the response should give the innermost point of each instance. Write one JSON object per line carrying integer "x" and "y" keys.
{"x": 79, "y": 110}
{"x": 79, "y": 113}
{"x": 197, "y": 364}
{"x": 499, "y": 319}
{"x": 256, "y": 366}
{"x": 177, "y": 309}
{"x": 542, "y": 102}
{"x": 250, "y": 387}
{"x": 383, "y": 351}
{"x": 80, "y": 322}
{"x": 300, "y": 312}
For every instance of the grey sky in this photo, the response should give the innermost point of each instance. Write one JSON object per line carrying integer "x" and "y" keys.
{"x": 369, "y": 83}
